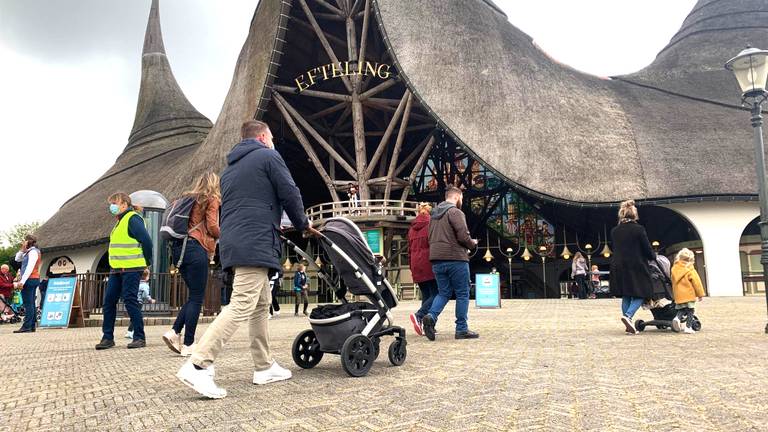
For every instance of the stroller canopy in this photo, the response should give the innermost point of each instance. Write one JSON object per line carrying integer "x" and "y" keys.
{"x": 348, "y": 237}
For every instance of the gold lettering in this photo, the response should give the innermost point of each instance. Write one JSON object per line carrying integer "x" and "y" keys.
{"x": 301, "y": 84}
{"x": 383, "y": 71}
{"x": 335, "y": 71}
{"x": 360, "y": 68}
{"x": 324, "y": 70}
{"x": 346, "y": 68}
{"x": 311, "y": 76}
{"x": 371, "y": 68}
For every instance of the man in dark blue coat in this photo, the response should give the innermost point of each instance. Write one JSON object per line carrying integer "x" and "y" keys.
{"x": 256, "y": 187}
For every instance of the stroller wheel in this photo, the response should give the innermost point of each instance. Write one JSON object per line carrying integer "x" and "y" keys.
{"x": 306, "y": 350}
{"x": 640, "y": 325}
{"x": 357, "y": 355}
{"x": 696, "y": 325}
{"x": 397, "y": 352}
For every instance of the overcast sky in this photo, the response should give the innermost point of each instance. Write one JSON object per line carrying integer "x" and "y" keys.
{"x": 70, "y": 73}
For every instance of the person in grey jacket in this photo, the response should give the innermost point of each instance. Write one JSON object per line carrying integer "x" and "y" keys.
{"x": 449, "y": 241}
{"x": 255, "y": 188}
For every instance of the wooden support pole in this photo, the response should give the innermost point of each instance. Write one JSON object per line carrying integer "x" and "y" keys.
{"x": 413, "y": 154}
{"x": 364, "y": 33}
{"x": 323, "y": 143}
{"x": 387, "y": 134}
{"x": 330, "y": 7}
{"x": 361, "y": 154}
{"x": 398, "y": 146}
{"x": 331, "y": 38}
{"x": 307, "y": 148}
{"x": 313, "y": 93}
{"x": 417, "y": 167}
{"x": 323, "y": 40}
{"x": 331, "y": 110}
{"x": 378, "y": 89}
{"x": 344, "y": 116}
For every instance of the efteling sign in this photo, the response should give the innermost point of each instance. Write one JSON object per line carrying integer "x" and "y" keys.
{"x": 341, "y": 69}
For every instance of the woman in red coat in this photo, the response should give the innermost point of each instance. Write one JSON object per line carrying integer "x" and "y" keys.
{"x": 6, "y": 290}
{"x": 421, "y": 268}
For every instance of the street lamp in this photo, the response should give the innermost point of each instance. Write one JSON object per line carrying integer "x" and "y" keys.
{"x": 543, "y": 252}
{"x": 750, "y": 67}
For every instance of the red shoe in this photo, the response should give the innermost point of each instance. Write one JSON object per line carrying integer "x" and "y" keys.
{"x": 416, "y": 325}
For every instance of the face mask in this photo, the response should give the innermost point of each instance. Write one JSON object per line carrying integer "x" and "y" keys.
{"x": 114, "y": 209}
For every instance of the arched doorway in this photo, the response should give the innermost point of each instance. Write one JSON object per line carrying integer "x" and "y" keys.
{"x": 749, "y": 256}
{"x": 103, "y": 265}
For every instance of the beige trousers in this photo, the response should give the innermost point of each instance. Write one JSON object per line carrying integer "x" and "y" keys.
{"x": 250, "y": 302}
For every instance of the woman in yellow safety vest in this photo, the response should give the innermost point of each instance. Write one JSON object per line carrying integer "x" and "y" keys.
{"x": 130, "y": 252}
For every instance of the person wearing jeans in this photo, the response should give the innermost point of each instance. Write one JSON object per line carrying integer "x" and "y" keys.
{"x": 30, "y": 258}
{"x": 449, "y": 241}
{"x": 130, "y": 253}
{"x": 630, "y": 274}
{"x": 202, "y": 232}
{"x": 300, "y": 288}
{"x": 421, "y": 268}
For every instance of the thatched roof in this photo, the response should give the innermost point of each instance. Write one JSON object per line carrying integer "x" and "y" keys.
{"x": 566, "y": 135}
{"x": 166, "y": 131}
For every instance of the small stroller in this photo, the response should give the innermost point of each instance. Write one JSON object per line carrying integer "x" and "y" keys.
{"x": 351, "y": 330}
{"x": 662, "y": 289}
{"x": 15, "y": 308}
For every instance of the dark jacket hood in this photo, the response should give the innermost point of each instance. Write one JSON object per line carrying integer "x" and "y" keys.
{"x": 243, "y": 148}
{"x": 442, "y": 209}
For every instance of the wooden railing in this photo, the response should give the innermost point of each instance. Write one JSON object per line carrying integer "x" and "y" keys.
{"x": 363, "y": 209}
{"x": 168, "y": 289}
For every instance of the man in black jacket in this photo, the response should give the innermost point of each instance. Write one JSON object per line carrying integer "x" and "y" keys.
{"x": 255, "y": 188}
{"x": 449, "y": 241}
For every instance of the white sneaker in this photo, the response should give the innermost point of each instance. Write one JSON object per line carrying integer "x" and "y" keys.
{"x": 173, "y": 341}
{"x": 689, "y": 330}
{"x": 269, "y": 317}
{"x": 277, "y": 313}
{"x": 186, "y": 351}
{"x": 676, "y": 324}
{"x": 274, "y": 373}
{"x": 128, "y": 334}
{"x": 630, "y": 327}
{"x": 200, "y": 381}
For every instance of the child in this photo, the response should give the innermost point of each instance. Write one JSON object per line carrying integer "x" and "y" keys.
{"x": 595, "y": 278}
{"x": 144, "y": 297}
{"x": 686, "y": 288}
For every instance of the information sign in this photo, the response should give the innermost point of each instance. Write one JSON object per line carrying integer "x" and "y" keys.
{"x": 487, "y": 291}
{"x": 58, "y": 302}
{"x": 373, "y": 238}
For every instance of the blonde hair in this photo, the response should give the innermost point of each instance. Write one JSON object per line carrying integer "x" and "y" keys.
{"x": 120, "y": 198}
{"x": 595, "y": 267}
{"x": 685, "y": 256}
{"x": 145, "y": 274}
{"x": 206, "y": 188}
{"x": 628, "y": 211}
{"x": 424, "y": 208}
{"x": 577, "y": 256}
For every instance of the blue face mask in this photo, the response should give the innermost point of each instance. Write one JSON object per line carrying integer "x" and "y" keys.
{"x": 114, "y": 209}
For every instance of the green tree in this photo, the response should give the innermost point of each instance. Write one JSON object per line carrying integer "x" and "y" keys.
{"x": 15, "y": 236}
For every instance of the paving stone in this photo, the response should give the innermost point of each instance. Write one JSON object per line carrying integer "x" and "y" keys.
{"x": 539, "y": 365}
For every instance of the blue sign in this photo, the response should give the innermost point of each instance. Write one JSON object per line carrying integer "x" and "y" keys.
{"x": 58, "y": 302}
{"x": 487, "y": 291}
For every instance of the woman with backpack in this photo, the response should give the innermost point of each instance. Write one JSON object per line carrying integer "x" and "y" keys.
{"x": 195, "y": 253}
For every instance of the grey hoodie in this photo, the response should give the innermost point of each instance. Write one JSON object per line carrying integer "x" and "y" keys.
{"x": 448, "y": 234}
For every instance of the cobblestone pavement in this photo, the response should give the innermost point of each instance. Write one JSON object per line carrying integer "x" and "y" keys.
{"x": 539, "y": 365}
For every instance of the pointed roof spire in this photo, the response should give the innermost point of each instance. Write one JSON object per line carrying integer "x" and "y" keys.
{"x": 153, "y": 39}
{"x": 162, "y": 105}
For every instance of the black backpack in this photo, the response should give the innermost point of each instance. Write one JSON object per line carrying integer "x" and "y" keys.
{"x": 175, "y": 224}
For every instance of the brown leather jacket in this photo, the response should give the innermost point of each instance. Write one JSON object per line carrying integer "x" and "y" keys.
{"x": 204, "y": 226}
{"x": 448, "y": 234}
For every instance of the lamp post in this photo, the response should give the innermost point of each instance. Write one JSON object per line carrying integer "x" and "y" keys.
{"x": 751, "y": 71}
{"x": 543, "y": 251}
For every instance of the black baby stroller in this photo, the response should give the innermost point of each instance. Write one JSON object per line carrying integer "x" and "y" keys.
{"x": 662, "y": 289}
{"x": 352, "y": 330}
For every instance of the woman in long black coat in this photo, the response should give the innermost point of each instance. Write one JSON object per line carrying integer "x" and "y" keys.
{"x": 630, "y": 274}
